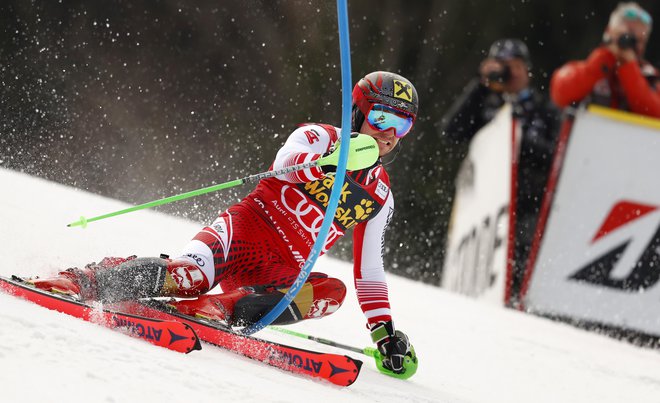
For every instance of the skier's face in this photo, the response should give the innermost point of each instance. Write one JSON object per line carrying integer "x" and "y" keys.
{"x": 386, "y": 140}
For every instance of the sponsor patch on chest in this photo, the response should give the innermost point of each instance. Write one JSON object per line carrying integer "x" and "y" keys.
{"x": 382, "y": 189}
{"x": 356, "y": 204}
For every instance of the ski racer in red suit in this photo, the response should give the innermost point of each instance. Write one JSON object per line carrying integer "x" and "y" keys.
{"x": 255, "y": 249}
{"x": 615, "y": 74}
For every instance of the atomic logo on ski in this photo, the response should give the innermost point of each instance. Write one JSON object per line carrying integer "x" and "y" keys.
{"x": 336, "y": 370}
{"x": 296, "y": 360}
{"x": 175, "y": 337}
{"x": 182, "y": 337}
{"x": 138, "y": 329}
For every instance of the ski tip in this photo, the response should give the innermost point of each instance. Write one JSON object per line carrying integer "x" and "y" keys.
{"x": 346, "y": 374}
{"x": 358, "y": 363}
{"x": 197, "y": 345}
{"x": 356, "y": 371}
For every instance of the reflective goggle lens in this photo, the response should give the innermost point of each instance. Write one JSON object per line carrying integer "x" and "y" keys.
{"x": 383, "y": 118}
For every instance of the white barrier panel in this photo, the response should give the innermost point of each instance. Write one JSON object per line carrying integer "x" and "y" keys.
{"x": 478, "y": 236}
{"x": 599, "y": 258}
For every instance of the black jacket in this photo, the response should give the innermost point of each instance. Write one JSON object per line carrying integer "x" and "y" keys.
{"x": 539, "y": 119}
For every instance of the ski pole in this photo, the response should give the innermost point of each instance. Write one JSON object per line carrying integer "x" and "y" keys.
{"x": 364, "y": 153}
{"x": 268, "y": 174}
{"x": 368, "y": 351}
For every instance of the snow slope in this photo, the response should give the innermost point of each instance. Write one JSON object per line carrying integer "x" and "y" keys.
{"x": 468, "y": 351}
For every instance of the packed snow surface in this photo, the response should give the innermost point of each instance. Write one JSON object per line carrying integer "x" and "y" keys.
{"x": 468, "y": 351}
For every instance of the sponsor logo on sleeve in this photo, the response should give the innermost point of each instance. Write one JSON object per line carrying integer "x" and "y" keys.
{"x": 312, "y": 136}
{"x": 224, "y": 233}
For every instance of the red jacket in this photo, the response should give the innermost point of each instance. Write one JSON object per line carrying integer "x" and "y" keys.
{"x": 629, "y": 86}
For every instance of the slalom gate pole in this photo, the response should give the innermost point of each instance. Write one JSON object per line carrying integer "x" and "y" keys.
{"x": 368, "y": 351}
{"x": 340, "y": 175}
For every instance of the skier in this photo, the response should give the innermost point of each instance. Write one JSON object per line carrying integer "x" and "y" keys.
{"x": 256, "y": 249}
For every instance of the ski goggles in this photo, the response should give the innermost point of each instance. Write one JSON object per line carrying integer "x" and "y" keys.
{"x": 382, "y": 118}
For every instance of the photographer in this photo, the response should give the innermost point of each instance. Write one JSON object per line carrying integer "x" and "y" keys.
{"x": 615, "y": 74}
{"x": 504, "y": 76}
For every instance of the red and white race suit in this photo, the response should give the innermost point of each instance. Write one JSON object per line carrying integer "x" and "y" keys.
{"x": 266, "y": 238}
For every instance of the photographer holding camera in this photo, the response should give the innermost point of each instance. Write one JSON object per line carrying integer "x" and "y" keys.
{"x": 504, "y": 76}
{"x": 615, "y": 74}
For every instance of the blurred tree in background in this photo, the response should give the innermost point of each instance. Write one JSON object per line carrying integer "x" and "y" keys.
{"x": 139, "y": 100}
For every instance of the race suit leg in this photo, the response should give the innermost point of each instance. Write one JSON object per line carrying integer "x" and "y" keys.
{"x": 254, "y": 268}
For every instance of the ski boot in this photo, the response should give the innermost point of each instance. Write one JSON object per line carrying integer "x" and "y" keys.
{"x": 75, "y": 282}
{"x": 122, "y": 279}
{"x": 65, "y": 282}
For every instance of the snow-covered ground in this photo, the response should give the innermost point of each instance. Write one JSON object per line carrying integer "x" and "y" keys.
{"x": 468, "y": 351}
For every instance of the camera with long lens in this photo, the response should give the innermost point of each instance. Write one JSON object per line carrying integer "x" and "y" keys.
{"x": 626, "y": 41}
{"x": 501, "y": 76}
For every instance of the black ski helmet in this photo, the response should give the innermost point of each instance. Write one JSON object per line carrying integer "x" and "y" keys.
{"x": 382, "y": 87}
{"x": 506, "y": 49}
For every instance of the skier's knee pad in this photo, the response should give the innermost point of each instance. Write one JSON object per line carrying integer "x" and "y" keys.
{"x": 137, "y": 278}
{"x": 327, "y": 295}
{"x": 185, "y": 279}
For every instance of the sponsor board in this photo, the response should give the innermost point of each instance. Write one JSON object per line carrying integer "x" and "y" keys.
{"x": 476, "y": 261}
{"x": 599, "y": 257}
